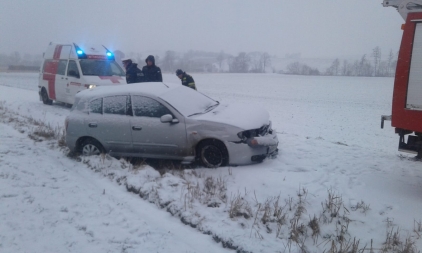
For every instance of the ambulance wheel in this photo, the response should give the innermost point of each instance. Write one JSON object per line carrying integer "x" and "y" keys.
{"x": 45, "y": 99}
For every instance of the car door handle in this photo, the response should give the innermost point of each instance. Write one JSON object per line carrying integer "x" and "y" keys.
{"x": 92, "y": 124}
{"x": 137, "y": 128}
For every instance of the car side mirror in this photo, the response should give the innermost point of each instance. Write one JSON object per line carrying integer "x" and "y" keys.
{"x": 168, "y": 118}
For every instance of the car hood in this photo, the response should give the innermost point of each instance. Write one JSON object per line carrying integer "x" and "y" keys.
{"x": 105, "y": 80}
{"x": 242, "y": 116}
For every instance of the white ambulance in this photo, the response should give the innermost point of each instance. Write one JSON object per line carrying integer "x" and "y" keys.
{"x": 69, "y": 68}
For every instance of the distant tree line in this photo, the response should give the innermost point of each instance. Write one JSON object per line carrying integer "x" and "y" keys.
{"x": 363, "y": 67}
{"x": 199, "y": 61}
{"x": 15, "y": 58}
{"x": 244, "y": 62}
{"x": 202, "y": 61}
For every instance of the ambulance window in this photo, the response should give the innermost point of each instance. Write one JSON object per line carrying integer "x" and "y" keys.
{"x": 96, "y": 106}
{"x": 115, "y": 69}
{"x": 61, "y": 69}
{"x": 72, "y": 69}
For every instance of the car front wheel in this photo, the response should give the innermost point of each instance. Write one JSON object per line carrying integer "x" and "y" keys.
{"x": 212, "y": 153}
{"x": 91, "y": 147}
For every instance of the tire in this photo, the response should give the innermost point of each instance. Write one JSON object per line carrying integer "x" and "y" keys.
{"x": 90, "y": 147}
{"x": 45, "y": 99}
{"x": 212, "y": 153}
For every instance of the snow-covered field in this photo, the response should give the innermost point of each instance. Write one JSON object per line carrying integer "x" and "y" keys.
{"x": 330, "y": 142}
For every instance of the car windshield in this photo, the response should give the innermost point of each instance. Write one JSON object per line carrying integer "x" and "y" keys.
{"x": 188, "y": 101}
{"x": 100, "y": 68}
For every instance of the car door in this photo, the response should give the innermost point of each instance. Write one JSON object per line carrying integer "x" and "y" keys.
{"x": 61, "y": 81}
{"x": 109, "y": 123}
{"x": 73, "y": 81}
{"x": 151, "y": 137}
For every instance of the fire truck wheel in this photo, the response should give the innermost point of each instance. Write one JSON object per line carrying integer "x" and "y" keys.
{"x": 45, "y": 99}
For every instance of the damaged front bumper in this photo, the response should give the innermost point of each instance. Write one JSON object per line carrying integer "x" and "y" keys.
{"x": 253, "y": 150}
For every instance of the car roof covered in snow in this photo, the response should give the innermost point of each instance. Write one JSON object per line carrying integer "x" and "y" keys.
{"x": 150, "y": 88}
{"x": 186, "y": 100}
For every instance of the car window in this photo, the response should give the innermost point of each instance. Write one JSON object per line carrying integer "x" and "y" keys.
{"x": 116, "y": 105}
{"x": 61, "y": 69}
{"x": 72, "y": 69}
{"x": 96, "y": 106}
{"x": 147, "y": 107}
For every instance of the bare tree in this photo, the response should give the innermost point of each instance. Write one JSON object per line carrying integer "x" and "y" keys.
{"x": 265, "y": 60}
{"x": 186, "y": 62}
{"x": 346, "y": 69}
{"x": 333, "y": 70}
{"x": 220, "y": 59}
{"x": 168, "y": 60}
{"x": 294, "y": 68}
{"x": 389, "y": 62}
{"x": 376, "y": 53}
{"x": 255, "y": 62}
{"x": 15, "y": 58}
{"x": 240, "y": 63}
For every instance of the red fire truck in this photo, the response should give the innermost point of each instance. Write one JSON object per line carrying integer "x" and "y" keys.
{"x": 406, "y": 115}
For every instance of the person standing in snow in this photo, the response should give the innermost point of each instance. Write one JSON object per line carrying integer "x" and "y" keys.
{"x": 187, "y": 80}
{"x": 133, "y": 73}
{"x": 152, "y": 73}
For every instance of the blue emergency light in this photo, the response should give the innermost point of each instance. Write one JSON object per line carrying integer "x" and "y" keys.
{"x": 79, "y": 52}
{"x": 109, "y": 54}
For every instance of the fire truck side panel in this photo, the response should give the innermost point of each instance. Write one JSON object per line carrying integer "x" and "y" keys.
{"x": 408, "y": 86}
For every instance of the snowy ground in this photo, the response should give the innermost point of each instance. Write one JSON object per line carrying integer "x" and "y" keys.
{"x": 330, "y": 140}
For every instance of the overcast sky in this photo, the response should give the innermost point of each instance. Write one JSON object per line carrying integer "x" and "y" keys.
{"x": 314, "y": 28}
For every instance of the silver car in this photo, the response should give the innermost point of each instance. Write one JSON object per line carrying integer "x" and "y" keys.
{"x": 168, "y": 121}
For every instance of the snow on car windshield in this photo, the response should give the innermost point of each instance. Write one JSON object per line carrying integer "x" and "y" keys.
{"x": 100, "y": 68}
{"x": 188, "y": 101}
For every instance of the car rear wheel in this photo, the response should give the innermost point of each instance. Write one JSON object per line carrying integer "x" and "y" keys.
{"x": 45, "y": 99}
{"x": 91, "y": 147}
{"x": 212, "y": 153}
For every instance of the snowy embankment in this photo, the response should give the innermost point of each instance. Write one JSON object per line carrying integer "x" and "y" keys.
{"x": 335, "y": 165}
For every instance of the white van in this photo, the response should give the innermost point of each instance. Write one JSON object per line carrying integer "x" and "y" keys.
{"x": 69, "y": 68}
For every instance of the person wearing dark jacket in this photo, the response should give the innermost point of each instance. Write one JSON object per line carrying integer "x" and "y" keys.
{"x": 133, "y": 73}
{"x": 152, "y": 73}
{"x": 187, "y": 80}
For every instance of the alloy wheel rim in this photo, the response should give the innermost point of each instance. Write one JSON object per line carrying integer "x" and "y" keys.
{"x": 90, "y": 149}
{"x": 212, "y": 156}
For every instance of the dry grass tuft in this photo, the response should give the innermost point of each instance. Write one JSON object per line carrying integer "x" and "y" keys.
{"x": 239, "y": 207}
{"x": 314, "y": 225}
{"x": 361, "y": 206}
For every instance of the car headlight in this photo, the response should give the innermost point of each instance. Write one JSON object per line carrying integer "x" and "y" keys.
{"x": 262, "y": 131}
{"x": 90, "y": 86}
